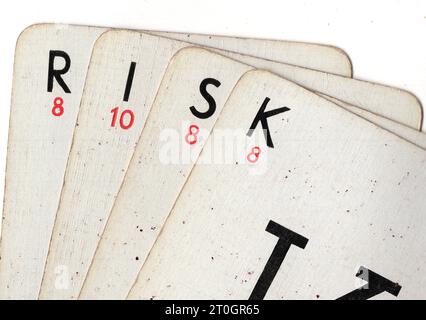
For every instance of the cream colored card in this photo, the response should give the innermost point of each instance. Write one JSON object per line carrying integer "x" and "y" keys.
{"x": 22, "y": 261}
{"x": 392, "y": 103}
{"x": 334, "y": 60}
{"x": 104, "y": 140}
{"x": 108, "y": 128}
{"x": 334, "y": 210}
{"x": 191, "y": 96}
{"x": 158, "y": 173}
{"x": 40, "y": 137}
{"x": 50, "y": 67}
{"x": 416, "y": 137}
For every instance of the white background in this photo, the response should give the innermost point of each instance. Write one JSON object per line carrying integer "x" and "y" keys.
{"x": 386, "y": 39}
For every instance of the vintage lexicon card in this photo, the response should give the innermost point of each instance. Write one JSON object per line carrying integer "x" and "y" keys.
{"x": 72, "y": 47}
{"x": 158, "y": 170}
{"x": 124, "y": 75}
{"x": 50, "y": 69}
{"x": 125, "y": 71}
{"x": 122, "y": 82}
{"x": 326, "y": 206}
{"x": 49, "y": 72}
{"x": 191, "y": 96}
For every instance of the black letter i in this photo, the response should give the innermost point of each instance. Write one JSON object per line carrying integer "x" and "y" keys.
{"x": 129, "y": 81}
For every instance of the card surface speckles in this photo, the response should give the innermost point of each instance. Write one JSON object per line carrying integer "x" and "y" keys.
{"x": 120, "y": 139}
{"x": 182, "y": 116}
{"x": 125, "y": 71}
{"x": 339, "y": 202}
{"x": 50, "y": 67}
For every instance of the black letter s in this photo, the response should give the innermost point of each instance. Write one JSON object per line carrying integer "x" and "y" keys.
{"x": 208, "y": 97}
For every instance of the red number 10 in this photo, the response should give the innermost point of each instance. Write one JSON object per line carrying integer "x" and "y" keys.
{"x": 123, "y": 121}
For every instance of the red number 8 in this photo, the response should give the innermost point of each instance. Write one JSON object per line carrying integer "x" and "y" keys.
{"x": 191, "y": 136}
{"x": 253, "y": 156}
{"x": 58, "y": 107}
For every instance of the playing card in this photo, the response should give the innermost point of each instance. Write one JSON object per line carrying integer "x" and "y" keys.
{"x": 118, "y": 96}
{"x": 48, "y": 203}
{"x": 332, "y": 211}
{"x": 108, "y": 127}
{"x": 157, "y": 173}
{"x": 191, "y": 96}
{"x": 50, "y": 69}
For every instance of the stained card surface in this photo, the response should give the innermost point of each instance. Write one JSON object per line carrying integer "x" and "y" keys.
{"x": 50, "y": 67}
{"x": 23, "y": 261}
{"x": 62, "y": 63}
{"x": 126, "y": 69}
{"x": 191, "y": 96}
{"x": 335, "y": 211}
{"x": 122, "y": 82}
{"x": 158, "y": 170}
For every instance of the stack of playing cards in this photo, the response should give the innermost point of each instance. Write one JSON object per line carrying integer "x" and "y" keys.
{"x": 157, "y": 165}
